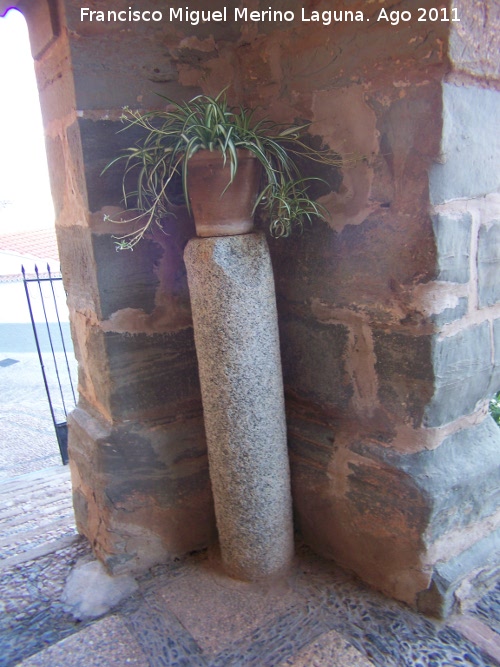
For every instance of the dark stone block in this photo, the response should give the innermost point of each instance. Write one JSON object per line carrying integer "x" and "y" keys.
{"x": 453, "y": 238}
{"x": 403, "y": 354}
{"x": 139, "y": 67}
{"x": 363, "y": 267}
{"x": 462, "y": 476}
{"x": 406, "y": 376}
{"x": 488, "y": 264}
{"x": 313, "y": 360}
{"x": 102, "y": 141}
{"x": 470, "y": 144}
{"x": 463, "y": 368}
{"x": 495, "y": 377}
{"x": 125, "y": 279}
{"x": 460, "y": 479}
{"x": 439, "y": 600}
{"x": 151, "y": 374}
{"x": 113, "y": 67}
{"x": 310, "y": 443}
{"x": 168, "y": 461}
{"x": 388, "y": 498}
{"x": 296, "y": 276}
{"x": 141, "y": 492}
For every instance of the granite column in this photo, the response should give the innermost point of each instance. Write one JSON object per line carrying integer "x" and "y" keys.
{"x": 237, "y": 343}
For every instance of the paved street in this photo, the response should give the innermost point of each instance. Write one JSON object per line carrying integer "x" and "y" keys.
{"x": 18, "y": 337}
{"x": 27, "y": 437}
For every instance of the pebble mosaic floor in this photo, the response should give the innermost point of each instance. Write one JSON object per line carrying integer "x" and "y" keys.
{"x": 189, "y": 614}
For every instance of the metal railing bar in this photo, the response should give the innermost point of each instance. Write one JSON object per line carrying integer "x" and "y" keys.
{"x": 61, "y": 332}
{"x": 38, "y": 349}
{"x": 52, "y": 346}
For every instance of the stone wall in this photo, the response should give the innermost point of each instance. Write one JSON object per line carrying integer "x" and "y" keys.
{"x": 389, "y": 317}
{"x": 388, "y": 312}
{"x": 138, "y": 456}
{"x": 465, "y": 208}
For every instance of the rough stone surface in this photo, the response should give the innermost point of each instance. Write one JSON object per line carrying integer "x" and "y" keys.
{"x": 168, "y": 377}
{"x": 75, "y": 245}
{"x": 475, "y": 39}
{"x": 328, "y": 649}
{"x": 91, "y": 592}
{"x": 388, "y": 514}
{"x": 453, "y": 238}
{"x": 102, "y": 141}
{"x": 108, "y": 644}
{"x": 307, "y": 347}
{"x": 54, "y": 150}
{"x": 236, "y": 333}
{"x": 488, "y": 264}
{"x": 451, "y": 314}
{"x": 405, "y": 372}
{"x": 495, "y": 377}
{"x": 443, "y": 595}
{"x": 470, "y": 145}
{"x": 463, "y": 367}
{"x": 459, "y": 481}
{"x": 148, "y": 485}
{"x": 127, "y": 280}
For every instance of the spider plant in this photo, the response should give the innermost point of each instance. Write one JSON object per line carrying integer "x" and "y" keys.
{"x": 173, "y": 136}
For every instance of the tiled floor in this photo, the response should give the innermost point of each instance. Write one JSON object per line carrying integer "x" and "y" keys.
{"x": 189, "y": 614}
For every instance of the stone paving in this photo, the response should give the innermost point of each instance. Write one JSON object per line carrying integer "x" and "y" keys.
{"x": 27, "y": 437}
{"x": 187, "y": 613}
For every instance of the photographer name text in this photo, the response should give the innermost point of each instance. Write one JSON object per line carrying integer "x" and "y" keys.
{"x": 243, "y": 14}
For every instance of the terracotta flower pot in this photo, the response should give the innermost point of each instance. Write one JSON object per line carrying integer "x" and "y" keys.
{"x": 218, "y": 211}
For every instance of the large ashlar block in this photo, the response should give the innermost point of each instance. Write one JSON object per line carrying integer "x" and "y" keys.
{"x": 236, "y": 334}
{"x": 470, "y": 137}
{"x": 141, "y": 493}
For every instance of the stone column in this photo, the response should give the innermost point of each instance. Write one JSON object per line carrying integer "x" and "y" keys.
{"x": 236, "y": 334}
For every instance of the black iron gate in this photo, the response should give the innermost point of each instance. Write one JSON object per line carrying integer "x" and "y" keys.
{"x": 52, "y": 345}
